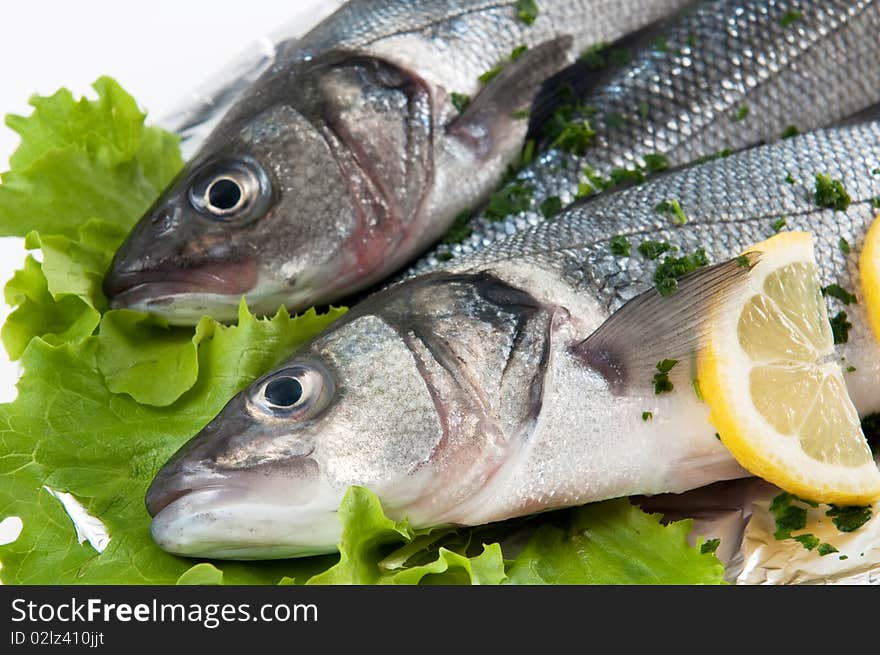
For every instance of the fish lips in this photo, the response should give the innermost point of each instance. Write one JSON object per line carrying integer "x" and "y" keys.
{"x": 158, "y": 290}
{"x": 235, "y": 519}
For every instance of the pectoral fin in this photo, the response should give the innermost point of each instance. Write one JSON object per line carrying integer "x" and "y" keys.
{"x": 651, "y": 328}
{"x": 487, "y": 120}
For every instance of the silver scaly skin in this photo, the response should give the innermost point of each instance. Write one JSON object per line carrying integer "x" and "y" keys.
{"x": 347, "y": 157}
{"x": 807, "y": 69}
{"x": 468, "y": 395}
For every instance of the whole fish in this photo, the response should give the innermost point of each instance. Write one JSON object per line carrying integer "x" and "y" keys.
{"x": 354, "y": 151}
{"x": 515, "y": 380}
{"x": 722, "y": 76}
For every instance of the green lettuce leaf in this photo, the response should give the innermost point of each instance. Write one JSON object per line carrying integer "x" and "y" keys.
{"x": 614, "y": 543}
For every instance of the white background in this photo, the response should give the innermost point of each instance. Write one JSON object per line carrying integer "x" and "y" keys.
{"x": 160, "y": 51}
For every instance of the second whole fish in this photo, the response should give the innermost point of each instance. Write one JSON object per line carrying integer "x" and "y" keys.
{"x": 475, "y": 393}
{"x": 353, "y": 152}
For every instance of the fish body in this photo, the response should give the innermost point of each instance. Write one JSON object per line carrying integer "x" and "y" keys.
{"x": 348, "y": 156}
{"x": 472, "y": 394}
{"x": 719, "y": 77}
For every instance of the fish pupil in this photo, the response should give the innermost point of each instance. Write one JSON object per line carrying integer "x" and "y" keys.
{"x": 224, "y": 194}
{"x": 284, "y": 392}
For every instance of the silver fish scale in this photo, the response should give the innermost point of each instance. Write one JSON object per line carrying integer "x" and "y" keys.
{"x": 683, "y": 101}
{"x": 731, "y": 204}
{"x": 480, "y": 31}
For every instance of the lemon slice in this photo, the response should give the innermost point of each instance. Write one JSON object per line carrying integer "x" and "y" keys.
{"x": 869, "y": 271}
{"x": 775, "y": 395}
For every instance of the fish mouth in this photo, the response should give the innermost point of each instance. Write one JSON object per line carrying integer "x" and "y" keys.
{"x": 149, "y": 288}
{"x": 235, "y": 522}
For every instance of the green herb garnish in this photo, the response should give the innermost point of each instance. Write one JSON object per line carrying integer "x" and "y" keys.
{"x": 830, "y": 193}
{"x": 672, "y": 207}
{"x": 444, "y": 256}
{"x": 655, "y": 162}
{"x": 779, "y": 223}
{"x": 672, "y": 268}
{"x": 512, "y": 199}
{"x": 837, "y": 291}
{"x": 789, "y": 179}
{"x": 827, "y": 549}
{"x": 789, "y": 17}
{"x": 743, "y": 261}
{"x": 840, "y": 328}
{"x": 527, "y": 11}
{"x": 550, "y": 207}
{"x": 808, "y": 541}
{"x": 849, "y": 518}
{"x": 710, "y": 546}
{"x": 460, "y": 101}
{"x": 626, "y": 176}
{"x": 647, "y": 416}
{"x": 644, "y": 108}
{"x": 790, "y": 131}
{"x": 788, "y": 517}
{"x": 619, "y": 246}
{"x": 844, "y": 246}
{"x": 662, "y": 383}
{"x": 490, "y": 74}
{"x": 661, "y": 45}
{"x": 653, "y": 249}
{"x": 742, "y": 112}
{"x": 697, "y": 391}
{"x": 518, "y": 51}
{"x": 460, "y": 229}
{"x": 850, "y": 369}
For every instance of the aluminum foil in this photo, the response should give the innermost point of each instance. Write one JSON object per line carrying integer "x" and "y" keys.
{"x": 737, "y": 512}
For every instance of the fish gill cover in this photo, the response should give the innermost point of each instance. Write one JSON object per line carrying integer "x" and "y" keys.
{"x": 108, "y": 395}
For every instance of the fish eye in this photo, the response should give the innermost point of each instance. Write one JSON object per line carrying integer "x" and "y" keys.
{"x": 299, "y": 392}
{"x": 233, "y": 190}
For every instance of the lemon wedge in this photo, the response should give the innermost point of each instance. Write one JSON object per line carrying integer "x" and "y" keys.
{"x": 869, "y": 271}
{"x": 775, "y": 394}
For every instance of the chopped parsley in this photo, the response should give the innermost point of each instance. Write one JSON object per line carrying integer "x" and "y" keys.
{"x": 697, "y": 391}
{"x": 655, "y": 162}
{"x": 743, "y": 261}
{"x": 742, "y": 112}
{"x": 662, "y": 383}
{"x": 551, "y": 206}
{"x": 789, "y": 179}
{"x": 721, "y": 154}
{"x": 619, "y": 246}
{"x": 647, "y": 416}
{"x": 626, "y": 175}
{"x": 653, "y": 249}
{"x": 779, "y": 223}
{"x": 850, "y": 369}
{"x": 844, "y": 246}
{"x": 807, "y": 540}
{"x": 672, "y": 268}
{"x": 512, "y": 199}
{"x": 615, "y": 121}
{"x": 788, "y": 517}
{"x": 672, "y": 207}
{"x": 460, "y": 229}
{"x": 518, "y": 51}
{"x": 644, "y": 109}
{"x": 875, "y": 171}
{"x": 827, "y": 549}
{"x": 830, "y": 193}
{"x": 837, "y": 291}
{"x": 691, "y": 40}
{"x": 620, "y": 56}
{"x": 710, "y": 546}
{"x": 568, "y": 129}
{"x": 527, "y": 11}
{"x": 840, "y": 328}
{"x": 850, "y": 518}
{"x": 460, "y": 101}
{"x": 444, "y": 256}
{"x": 661, "y": 45}
{"x": 490, "y": 74}
{"x": 789, "y": 17}
{"x": 520, "y": 113}
{"x": 875, "y": 202}
{"x": 790, "y": 131}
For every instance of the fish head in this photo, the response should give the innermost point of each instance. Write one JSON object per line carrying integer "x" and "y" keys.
{"x": 374, "y": 402}
{"x": 294, "y": 199}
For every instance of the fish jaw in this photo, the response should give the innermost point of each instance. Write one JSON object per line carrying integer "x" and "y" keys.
{"x": 236, "y": 520}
